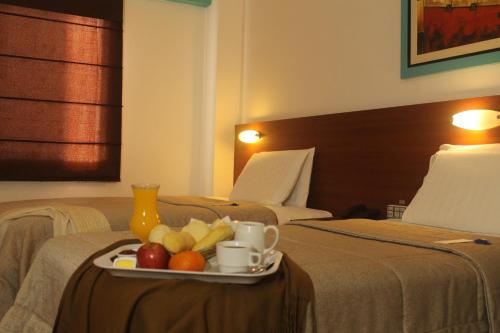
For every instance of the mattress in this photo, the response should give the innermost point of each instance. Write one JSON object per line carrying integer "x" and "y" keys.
{"x": 368, "y": 276}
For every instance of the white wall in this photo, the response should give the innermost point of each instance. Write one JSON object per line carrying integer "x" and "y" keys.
{"x": 162, "y": 96}
{"x": 275, "y": 60}
{"x": 322, "y": 56}
{"x": 228, "y": 93}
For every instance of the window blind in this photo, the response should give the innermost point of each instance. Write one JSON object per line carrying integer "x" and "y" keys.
{"x": 60, "y": 89}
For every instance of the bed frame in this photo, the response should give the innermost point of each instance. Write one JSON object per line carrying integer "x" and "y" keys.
{"x": 375, "y": 157}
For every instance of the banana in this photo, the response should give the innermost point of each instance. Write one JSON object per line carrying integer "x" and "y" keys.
{"x": 218, "y": 234}
{"x": 218, "y": 223}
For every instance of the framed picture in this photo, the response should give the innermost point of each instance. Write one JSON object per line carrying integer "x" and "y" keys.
{"x": 440, "y": 35}
{"x": 201, "y": 3}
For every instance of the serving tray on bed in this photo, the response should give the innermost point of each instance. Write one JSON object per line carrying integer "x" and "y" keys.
{"x": 211, "y": 273}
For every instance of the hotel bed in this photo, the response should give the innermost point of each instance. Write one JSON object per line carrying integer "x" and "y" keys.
{"x": 21, "y": 238}
{"x": 368, "y": 276}
{"x": 376, "y": 276}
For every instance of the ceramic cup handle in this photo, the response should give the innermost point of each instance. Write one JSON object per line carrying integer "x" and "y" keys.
{"x": 276, "y": 237}
{"x": 254, "y": 259}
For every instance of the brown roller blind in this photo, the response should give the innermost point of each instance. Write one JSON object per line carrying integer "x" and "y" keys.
{"x": 111, "y": 10}
{"x": 60, "y": 90}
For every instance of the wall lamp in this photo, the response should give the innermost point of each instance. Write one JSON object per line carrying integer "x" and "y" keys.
{"x": 250, "y": 136}
{"x": 477, "y": 119}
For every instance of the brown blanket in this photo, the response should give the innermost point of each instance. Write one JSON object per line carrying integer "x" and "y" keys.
{"x": 24, "y": 237}
{"x": 95, "y": 301}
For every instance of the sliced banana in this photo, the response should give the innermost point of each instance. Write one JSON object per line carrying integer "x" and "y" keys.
{"x": 217, "y": 234}
{"x": 218, "y": 223}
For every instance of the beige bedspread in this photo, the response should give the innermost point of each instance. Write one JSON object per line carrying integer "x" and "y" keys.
{"x": 392, "y": 277}
{"x": 368, "y": 277}
{"x": 176, "y": 210}
{"x": 16, "y": 252}
{"x": 22, "y": 238}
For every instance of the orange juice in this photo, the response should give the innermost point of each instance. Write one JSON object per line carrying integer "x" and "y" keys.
{"x": 145, "y": 215}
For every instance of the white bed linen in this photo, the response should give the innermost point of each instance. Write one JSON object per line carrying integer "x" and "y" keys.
{"x": 268, "y": 178}
{"x": 298, "y": 197}
{"x": 460, "y": 192}
{"x": 286, "y": 214}
{"x": 487, "y": 148}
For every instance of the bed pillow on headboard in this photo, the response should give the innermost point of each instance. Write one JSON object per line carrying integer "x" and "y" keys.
{"x": 298, "y": 197}
{"x": 461, "y": 191}
{"x": 269, "y": 177}
{"x": 491, "y": 148}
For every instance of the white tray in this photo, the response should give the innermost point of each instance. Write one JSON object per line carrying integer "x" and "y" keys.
{"x": 211, "y": 273}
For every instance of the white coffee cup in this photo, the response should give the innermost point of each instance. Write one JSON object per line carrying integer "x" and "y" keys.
{"x": 255, "y": 234}
{"x": 236, "y": 256}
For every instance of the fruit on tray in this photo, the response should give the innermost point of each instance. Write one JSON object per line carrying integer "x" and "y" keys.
{"x": 189, "y": 240}
{"x": 157, "y": 233}
{"x": 218, "y": 234}
{"x": 197, "y": 236}
{"x": 187, "y": 261}
{"x": 197, "y": 228}
{"x": 176, "y": 242}
{"x": 218, "y": 223}
{"x": 152, "y": 255}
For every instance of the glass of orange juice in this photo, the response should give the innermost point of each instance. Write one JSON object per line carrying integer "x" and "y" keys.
{"x": 145, "y": 216}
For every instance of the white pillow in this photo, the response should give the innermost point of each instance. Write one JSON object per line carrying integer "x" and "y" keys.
{"x": 298, "y": 197}
{"x": 492, "y": 148}
{"x": 269, "y": 177}
{"x": 461, "y": 191}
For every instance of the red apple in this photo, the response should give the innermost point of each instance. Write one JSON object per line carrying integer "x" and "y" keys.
{"x": 152, "y": 255}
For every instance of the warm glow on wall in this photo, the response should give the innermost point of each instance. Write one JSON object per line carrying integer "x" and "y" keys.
{"x": 477, "y": 119}
{"x": 249, "y": 136}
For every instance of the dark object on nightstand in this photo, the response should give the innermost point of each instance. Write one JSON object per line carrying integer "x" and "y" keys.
{"x": 482, "y": 241}
{"x": 359, "y": 212}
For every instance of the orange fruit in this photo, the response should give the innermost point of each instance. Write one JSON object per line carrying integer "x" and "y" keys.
{"x": 187, "y": 261}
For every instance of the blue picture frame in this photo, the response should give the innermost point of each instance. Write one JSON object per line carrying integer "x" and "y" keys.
{"x": 201, "y": 3}
{"x": 408, "y": 70}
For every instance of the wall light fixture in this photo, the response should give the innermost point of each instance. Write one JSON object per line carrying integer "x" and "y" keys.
{"x": 250, "y": 136}
{"x": 477, "y": 119}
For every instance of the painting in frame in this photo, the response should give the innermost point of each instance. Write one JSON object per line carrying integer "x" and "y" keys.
{"x": 440, "y": 35}
{"x": 201, "y": 3}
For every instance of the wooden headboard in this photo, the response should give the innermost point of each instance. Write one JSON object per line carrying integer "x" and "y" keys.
{"x": 376, "y": 157}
